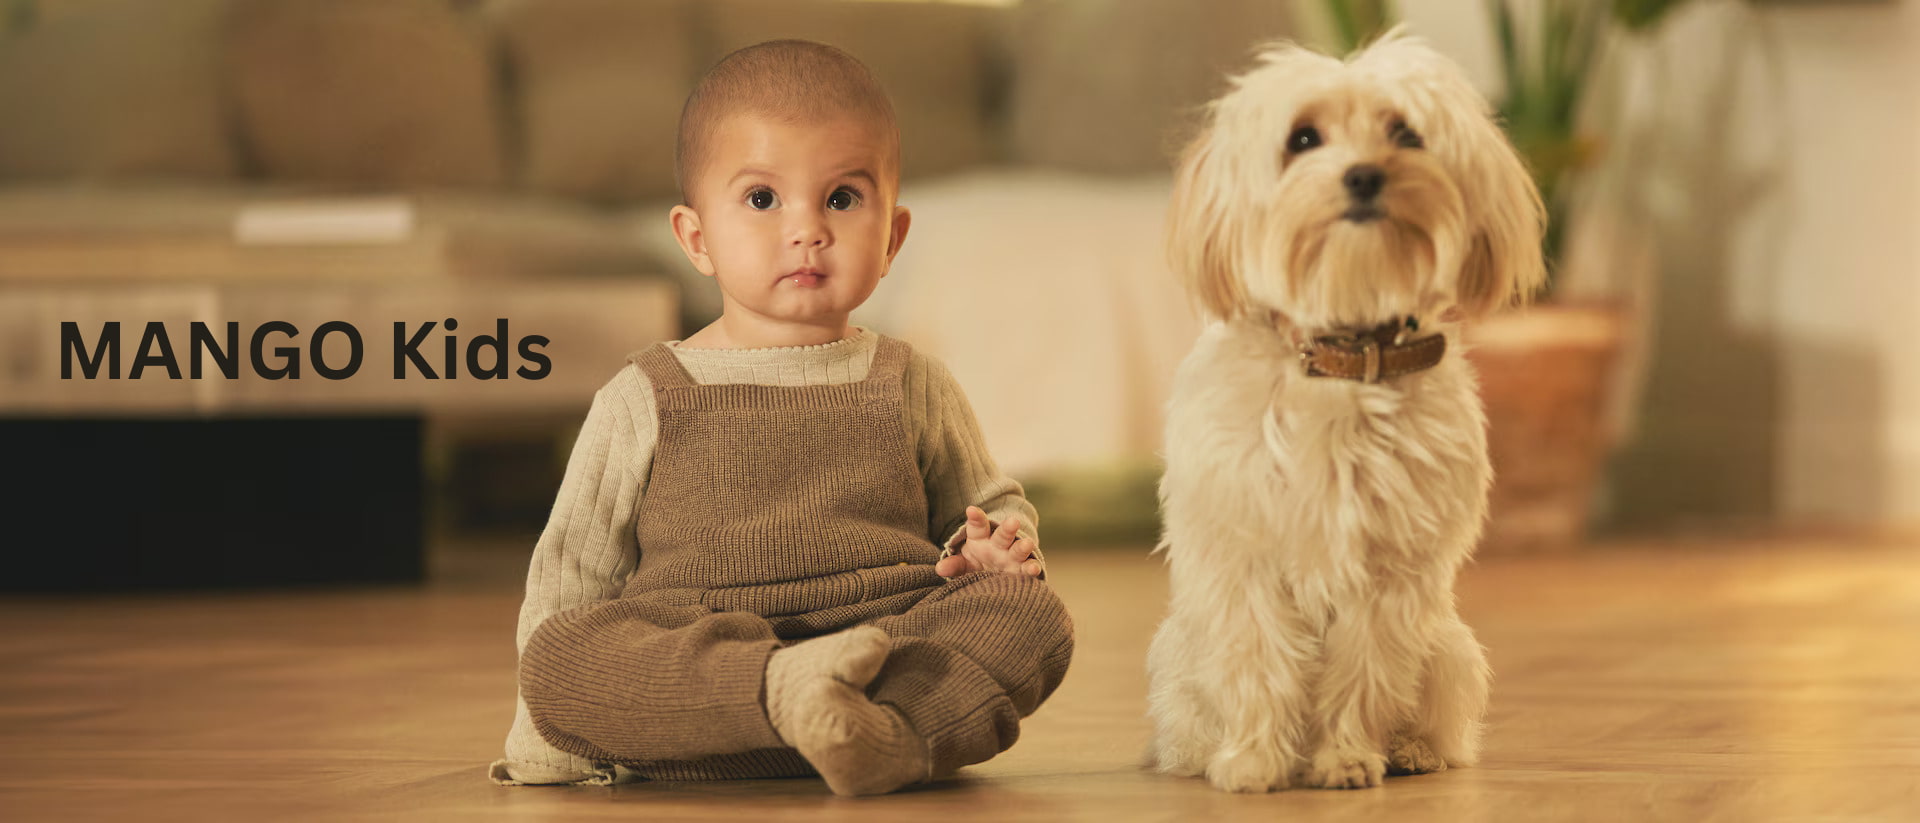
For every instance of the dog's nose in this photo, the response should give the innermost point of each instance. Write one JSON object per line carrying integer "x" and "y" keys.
{"x": 1365, "y": 182}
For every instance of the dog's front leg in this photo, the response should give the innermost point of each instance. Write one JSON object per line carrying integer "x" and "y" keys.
{"x": 1258, "y": 682}
{"x": 1452, "y": 703}
{"x": 1368, "y": 687}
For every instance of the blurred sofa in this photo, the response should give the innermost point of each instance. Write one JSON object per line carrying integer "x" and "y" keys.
{"x": 385, "y": 160}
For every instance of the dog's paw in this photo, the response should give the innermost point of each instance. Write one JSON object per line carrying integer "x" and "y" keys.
{"x": 1180, "y": 760}
{"x": 1251, "y": 770}
{"x": 1411, "y": 755}
{"x": 1346, "y": 769}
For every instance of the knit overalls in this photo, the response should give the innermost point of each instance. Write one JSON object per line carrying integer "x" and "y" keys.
{"x": 773, "y": 514}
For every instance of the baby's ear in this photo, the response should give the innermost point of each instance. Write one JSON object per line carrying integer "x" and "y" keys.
{"x": 693, "y": 241}
{"x": 902, "y": 220}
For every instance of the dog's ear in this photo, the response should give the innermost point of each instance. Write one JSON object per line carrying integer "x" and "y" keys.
{"x": 1199, "y": 247}
{"x": 1504, "y": 264}
{"x": 1502, "y": 259}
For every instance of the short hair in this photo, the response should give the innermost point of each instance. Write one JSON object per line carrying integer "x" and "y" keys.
{"x": 792, "y": 80}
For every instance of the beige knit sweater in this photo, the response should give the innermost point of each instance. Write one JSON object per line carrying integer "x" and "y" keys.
{"x": 589, "y": 548}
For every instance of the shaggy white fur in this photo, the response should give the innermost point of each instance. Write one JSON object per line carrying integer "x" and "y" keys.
{"x": 1314, "y": 525}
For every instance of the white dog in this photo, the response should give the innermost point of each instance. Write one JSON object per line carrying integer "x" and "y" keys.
{"x": 1326, "y": 451}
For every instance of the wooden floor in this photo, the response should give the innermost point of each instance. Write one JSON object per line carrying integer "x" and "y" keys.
{"x": 1707, "y": 680}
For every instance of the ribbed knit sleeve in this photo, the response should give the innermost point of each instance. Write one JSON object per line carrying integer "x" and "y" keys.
{"x": 585, "y": 554}
{"x": 954, "y": 460}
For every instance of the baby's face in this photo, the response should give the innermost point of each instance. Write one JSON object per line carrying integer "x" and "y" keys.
{"x": 797, "y": 218}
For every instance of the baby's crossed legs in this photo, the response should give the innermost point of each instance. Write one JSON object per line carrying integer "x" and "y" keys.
{"x": 677, "y": 691}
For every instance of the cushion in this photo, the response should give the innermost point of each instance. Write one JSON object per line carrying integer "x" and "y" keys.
{"x": 1101, "y": 86}
{"x": 598, "y": 86}
{"x": 936, "y": 61}
{"x": 112, "y": 88}
{"x": 371, "y": 92}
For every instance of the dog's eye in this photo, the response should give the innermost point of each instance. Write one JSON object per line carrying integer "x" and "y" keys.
{"x": 1305, "y": 138}
{"x": 1405, "y": 137}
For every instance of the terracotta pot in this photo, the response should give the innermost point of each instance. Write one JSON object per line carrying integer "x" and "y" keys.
{"x": 1545, "y": 373}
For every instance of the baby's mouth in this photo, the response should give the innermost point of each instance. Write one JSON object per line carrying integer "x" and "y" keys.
{"x": 805, "y": 276}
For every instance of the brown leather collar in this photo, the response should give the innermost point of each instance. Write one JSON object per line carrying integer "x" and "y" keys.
{"x": 1373, "y": 355}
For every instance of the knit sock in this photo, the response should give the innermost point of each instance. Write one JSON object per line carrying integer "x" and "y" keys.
{"x": 817, "y": 701}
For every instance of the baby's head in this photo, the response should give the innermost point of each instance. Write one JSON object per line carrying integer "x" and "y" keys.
{"x": 788, "y": 162}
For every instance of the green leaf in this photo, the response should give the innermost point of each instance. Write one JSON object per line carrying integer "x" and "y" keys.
{"x": 1358, "y": 22}
{"x": 1346, "y": 29}
{"x": 20, "y": 16}
{"x": 1641, "y": 15}
{"x": 1509, "y": 58}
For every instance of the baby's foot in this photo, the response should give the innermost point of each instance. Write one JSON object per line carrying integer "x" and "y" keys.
{"x": 852, "y": 657}
{"x": 817, "y": 702}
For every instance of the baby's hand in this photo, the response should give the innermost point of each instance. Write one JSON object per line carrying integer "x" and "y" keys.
{"x": 991, "y": 550}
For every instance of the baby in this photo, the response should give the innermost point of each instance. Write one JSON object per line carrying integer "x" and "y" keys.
{"x": 781, "y": 547}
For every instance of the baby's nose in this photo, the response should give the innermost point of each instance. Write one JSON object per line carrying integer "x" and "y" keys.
{"x": 810, "y": 232}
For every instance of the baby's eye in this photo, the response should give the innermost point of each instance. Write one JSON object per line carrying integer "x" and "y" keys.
{"x": 762, "y": 199}
{"x": 843, "y": 199}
